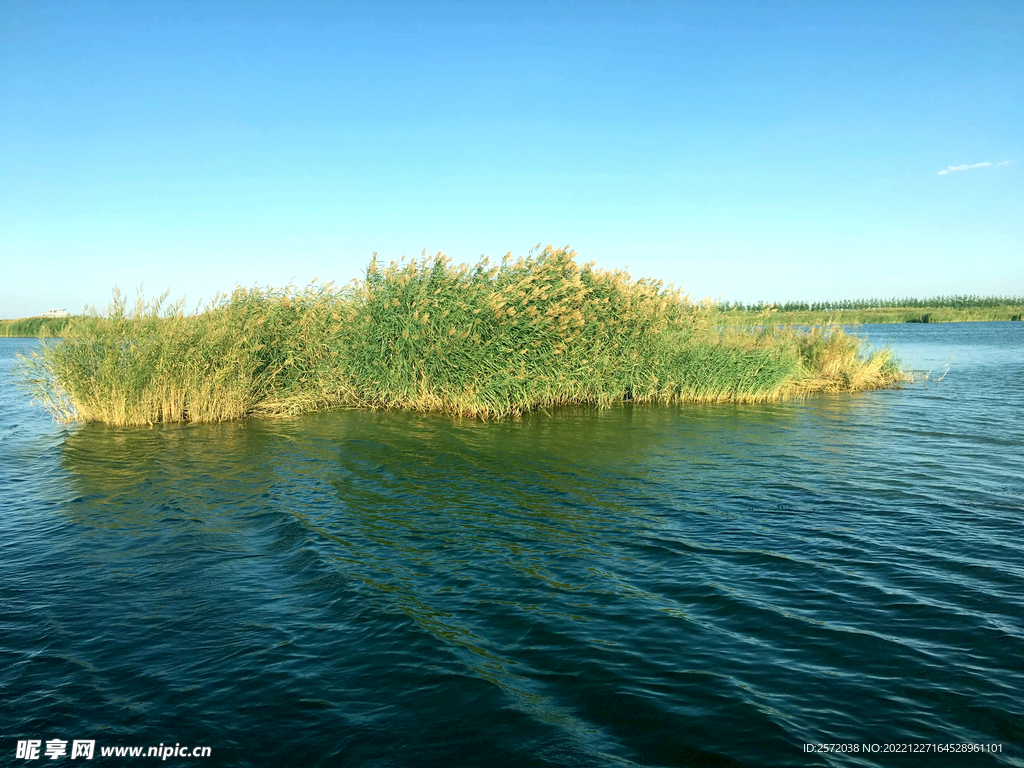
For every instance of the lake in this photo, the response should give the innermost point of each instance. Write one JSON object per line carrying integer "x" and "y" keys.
{"x": 655, "y": 586}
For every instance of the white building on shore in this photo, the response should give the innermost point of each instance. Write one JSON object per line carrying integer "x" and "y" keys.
{"x": 56, "y": 313}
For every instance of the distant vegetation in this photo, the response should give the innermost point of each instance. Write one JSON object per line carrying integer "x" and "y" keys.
{"x": 33, "y": 326}
{"x": 935, "y": 302}
{"x": 477, "y": 340}
{"x": 937, "y": 309}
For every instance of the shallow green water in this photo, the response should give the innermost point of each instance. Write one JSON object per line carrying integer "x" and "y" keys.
{"x": 636, "y": 586}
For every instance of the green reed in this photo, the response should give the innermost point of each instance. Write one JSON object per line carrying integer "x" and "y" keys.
{"x": 483, "y": 340}
{"x": 33, "y": 327}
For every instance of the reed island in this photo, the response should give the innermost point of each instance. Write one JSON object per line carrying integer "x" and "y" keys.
{"x": 477, "y": 340}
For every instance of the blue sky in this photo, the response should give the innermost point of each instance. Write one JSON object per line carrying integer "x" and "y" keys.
{"x": 750, "y": 150}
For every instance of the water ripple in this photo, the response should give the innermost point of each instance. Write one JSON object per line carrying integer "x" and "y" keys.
{"x": 639, "y": 586}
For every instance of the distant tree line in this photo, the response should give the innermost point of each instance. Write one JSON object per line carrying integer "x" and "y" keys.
{"x": 965, "y": 301}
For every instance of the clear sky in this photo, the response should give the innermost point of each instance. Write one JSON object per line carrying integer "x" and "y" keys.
{"x": 772, "y": 150}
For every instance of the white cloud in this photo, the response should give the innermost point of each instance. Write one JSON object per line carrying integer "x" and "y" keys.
{"x": 967, "y": 167}
{"x": 963, "y": 167}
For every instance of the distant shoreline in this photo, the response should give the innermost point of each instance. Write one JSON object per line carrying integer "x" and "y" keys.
{"x": 881, "y": 316}
{"x": 33, "y": 327}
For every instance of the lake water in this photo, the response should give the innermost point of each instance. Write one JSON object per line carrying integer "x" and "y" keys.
{"x": 700, "y": 585}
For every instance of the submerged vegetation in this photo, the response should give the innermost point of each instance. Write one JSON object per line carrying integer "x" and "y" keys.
{"x": 477, "y": 340}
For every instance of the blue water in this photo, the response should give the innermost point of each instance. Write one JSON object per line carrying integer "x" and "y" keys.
{"x": 699, "y": 585}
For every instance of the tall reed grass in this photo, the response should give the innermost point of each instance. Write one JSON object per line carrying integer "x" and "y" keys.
{"x": 33, "y": 327}
{"x": 483, "y": 340}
